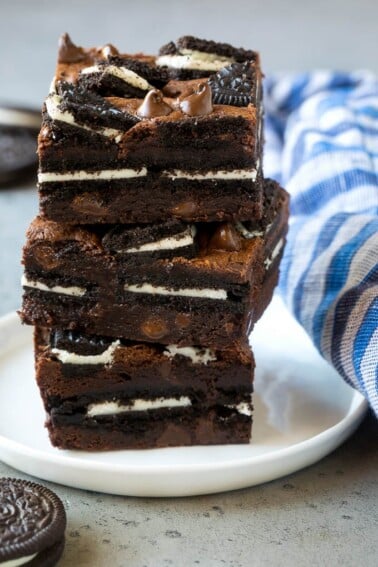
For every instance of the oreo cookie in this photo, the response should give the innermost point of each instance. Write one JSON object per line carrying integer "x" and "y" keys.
{"x": 19, "y": 129}
{"x": 234, "y": 84}
{"x": 32, "y": 524}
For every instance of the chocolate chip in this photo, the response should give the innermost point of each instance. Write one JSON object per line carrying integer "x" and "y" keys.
{"x": 68, "y": 52}
{"x": 182, "y": 320}
{"x": 233, "y": 84}
{"x": 225, "y": 238}
{"x": 185, "y": 210}
{"x": 154, "y": 328}
{"x": 199, "y": 102}
{"x": 153, "y": 105}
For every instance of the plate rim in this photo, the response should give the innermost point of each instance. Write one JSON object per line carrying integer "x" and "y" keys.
{"x": 337, "y": 433}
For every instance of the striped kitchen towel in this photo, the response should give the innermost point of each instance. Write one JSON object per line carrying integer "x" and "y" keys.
{"x": 321, "y": 133}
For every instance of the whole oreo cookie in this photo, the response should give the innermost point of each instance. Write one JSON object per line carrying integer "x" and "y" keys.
{"x": 32, "y": 524}
{"x": 19, "y": 129}
{"x": 233, "y": 84}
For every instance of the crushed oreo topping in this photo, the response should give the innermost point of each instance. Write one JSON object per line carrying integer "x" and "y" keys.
{"x": 233, "y": 85}
{"x": 156, "y": 76}
{"x": 92, "y": 109}
{"x": 85, "y": 345}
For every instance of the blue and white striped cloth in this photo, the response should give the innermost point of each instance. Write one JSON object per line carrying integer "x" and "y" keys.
{"x": 321, "y": 133}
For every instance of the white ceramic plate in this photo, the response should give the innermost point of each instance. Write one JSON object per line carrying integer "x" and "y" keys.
{"x": 303, "y": 410}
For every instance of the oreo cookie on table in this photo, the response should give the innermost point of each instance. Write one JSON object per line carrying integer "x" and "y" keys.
{"x": 19, "y": 129}
{"x": 32, "y": 524}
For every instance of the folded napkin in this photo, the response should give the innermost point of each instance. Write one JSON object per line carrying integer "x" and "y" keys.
{"x": 321, "y": 134}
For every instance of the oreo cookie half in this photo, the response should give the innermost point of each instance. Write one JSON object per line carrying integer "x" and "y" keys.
{"x": 233, "y": 84}
{"x": 19, "y": 129}
{"x": 32, "y": 524}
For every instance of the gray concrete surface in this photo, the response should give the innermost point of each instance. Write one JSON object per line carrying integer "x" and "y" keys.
{"x": 325, "y": 515}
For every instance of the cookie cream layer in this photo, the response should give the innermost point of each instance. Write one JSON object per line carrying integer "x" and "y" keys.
{"x": 113, "y": 408}
{"x": 122, "y": 73}
{"x": 53, "y": 103}
{"x": 71, "y": 290}
{"x": 104, "y": 174}
{"x": 196, "y": 355}
{"x": 19, "y": 561}
{"x": 185, "y": 292}
{"x": 105, "y": 357}
{"x": 185, "y": 238}
{"x": 247, "y": 234}
{"x": 224, "y": 174}
{"x": 277, "y": 249}
{"x": 243, "y": 408}
{"x": 194, "y": 60}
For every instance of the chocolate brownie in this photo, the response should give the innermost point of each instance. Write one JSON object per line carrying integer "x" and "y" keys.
{"x": 32, "y": 524}
{"x": 121, "y": 142}
{"x": 88, "y": 280}
{"x": 105, "y": 389}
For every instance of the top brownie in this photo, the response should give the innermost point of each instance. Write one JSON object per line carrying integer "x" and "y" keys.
{"x": 135, "y": 124}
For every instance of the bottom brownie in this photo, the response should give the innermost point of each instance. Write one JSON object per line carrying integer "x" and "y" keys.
{"x": 214, "y": 426}
{"x": 102, "y": 394}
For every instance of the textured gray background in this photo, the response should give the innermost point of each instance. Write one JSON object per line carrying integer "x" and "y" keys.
{"x": 324, "y": 515}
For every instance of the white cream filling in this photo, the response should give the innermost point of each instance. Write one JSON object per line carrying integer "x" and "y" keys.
{"x": 196, "y": 355}
{"x": 19, "y": 561}
{"x": 105, "y": 357}
{"x": 106, "y": 174}
{"x": 248, "y": 174}
{"x": 185, "y": 238}
{"x": 72, "y": 290}
{"x": 277, "y": 249}
{"x": 195, "y": 60}
{"x": 247, "y": 233}
{"x": 244, "y": 408}
{"x": 185, "y": 292}
{"x": 122, "y": 73}
{"x": 15, "y": 117}
{"x": 52, "y": 106}
{"x": 112, "y": 408}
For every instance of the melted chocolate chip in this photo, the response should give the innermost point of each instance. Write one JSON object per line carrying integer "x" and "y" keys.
{"x": 225, "y": 238}
{"x": 154, "y": 329}
{"x": 233, "y": 84}
{"x": 68, "y": 52}
{"x": 198, "y": 103}
{"x": 185, "y": 210}
{"x": 154, "y": 105}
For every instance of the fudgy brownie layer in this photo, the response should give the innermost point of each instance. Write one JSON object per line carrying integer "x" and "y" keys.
{"x": 212, "y": 426}
{"x": 141, "y": 201}
{"x": 77, "y": 278}
{"x": 81, "y": 369}
{"x": 228, "y": 137}
{"x": 183, "y": 321}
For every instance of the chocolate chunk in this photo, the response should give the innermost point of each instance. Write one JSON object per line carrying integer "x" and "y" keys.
{"x": 233, "y": 85}
{"x": 85, "y": 345}
{"x": 199, "y": 103}
{"x": 154, "y": 105}
{"x": 185, "y": 210}
{"x": 154, "y": 328}
{"x": 225, "y": 238}
{"x": 33, "y": 521}
{"x": 68, "y": 52}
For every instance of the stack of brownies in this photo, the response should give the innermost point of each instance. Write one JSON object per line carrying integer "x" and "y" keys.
{"x": 157, "y": 247}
